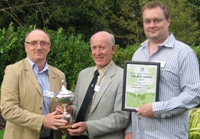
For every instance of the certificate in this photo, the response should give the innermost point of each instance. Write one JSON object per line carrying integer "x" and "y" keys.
{"x": 140, "y": 84}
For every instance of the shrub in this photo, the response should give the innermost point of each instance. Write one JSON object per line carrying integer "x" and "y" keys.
{"x": 194, "y": 124}
{"x": 71, "y": 54}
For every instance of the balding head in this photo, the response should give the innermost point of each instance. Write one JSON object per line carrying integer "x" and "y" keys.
{"x": 103, "y": 47}
{"x": 104, "y": 35}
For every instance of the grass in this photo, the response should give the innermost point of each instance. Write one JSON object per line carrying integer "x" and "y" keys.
{"x": 1, "y": 134}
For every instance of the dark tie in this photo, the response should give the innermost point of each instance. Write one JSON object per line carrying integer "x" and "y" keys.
{"x": 87, "y": 99}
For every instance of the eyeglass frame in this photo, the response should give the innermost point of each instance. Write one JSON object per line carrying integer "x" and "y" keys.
{"x": 155, "y": 21}
{"x": 35, "y": 43}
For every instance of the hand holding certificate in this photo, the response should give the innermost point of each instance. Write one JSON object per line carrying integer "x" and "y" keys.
{"x": 141, "y": 84}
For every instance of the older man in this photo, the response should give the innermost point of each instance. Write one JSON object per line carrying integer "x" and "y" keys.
{"x": 103, "y": 118}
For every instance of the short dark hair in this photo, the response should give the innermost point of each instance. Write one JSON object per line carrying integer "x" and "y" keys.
{"x": 154, "y": 4}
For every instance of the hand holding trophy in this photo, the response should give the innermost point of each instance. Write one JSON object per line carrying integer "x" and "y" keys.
{"x": 65, "y": 97}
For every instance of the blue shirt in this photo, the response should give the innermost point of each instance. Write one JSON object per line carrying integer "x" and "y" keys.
{"x": 179, "y": 90}
{"x": 43, "y": 80}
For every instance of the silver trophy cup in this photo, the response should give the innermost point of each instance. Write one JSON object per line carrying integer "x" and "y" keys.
{"x": 65, "y": 97}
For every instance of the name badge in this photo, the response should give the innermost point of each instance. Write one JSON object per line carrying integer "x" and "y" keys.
{"x": 96, "y": 88}
{"x": 162, "y": 63}
{"x": 47, "y": 93}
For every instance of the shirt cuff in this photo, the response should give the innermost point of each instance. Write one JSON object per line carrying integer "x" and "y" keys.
{"x": 158, "y": 110}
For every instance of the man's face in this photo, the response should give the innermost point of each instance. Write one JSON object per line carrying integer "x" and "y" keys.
{"x": 155, "y": 24}
{"x": 37, "y": 46}
{"x": 101, "y": 49}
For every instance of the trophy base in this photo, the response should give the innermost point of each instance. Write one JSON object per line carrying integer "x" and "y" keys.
{"x": 65, "y": 126}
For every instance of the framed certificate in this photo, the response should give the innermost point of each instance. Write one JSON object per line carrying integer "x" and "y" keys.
{"x": 140, "y": 84}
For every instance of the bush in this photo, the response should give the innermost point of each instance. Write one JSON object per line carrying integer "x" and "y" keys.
{"x": 194, "y": 124}
{"x": 68, "y": 53}
{"x": 71, "y": 54}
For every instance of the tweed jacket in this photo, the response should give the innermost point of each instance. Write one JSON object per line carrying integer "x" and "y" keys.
{"x": 22, "y": 100}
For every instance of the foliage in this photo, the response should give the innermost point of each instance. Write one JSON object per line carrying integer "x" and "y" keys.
{"x": 184, "y": 24}
{"x": 69, "y": 54}
{"x": 1, "y": 134}
{"x": 125, "y": 22}
{"x": 194, "y": 124}
{"x": 121, "y": 17}
{"x": 195, "y": 5}
{"x": 197, "y": 51}
{"x": 71, "y": 23}
{"x": 122, "y": 54}
{"x": 185, "y": 28}
{"x": 11, "y": 49}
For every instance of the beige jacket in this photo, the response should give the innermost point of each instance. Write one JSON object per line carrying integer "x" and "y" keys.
{"x": 21, "y": 100}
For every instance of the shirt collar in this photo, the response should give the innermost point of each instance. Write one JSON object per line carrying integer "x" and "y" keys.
{"x": 34, "y": 66}
{"x": 167, "y": 43}
{"x": 104, "y": 69}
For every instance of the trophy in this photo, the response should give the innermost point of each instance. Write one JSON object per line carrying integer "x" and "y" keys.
{"x": 65, "y": 97}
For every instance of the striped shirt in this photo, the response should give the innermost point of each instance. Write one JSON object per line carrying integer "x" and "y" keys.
{"x": 179, "y": 90}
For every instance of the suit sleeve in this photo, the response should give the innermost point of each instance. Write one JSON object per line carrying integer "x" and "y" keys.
{"x": 117, "y": 119}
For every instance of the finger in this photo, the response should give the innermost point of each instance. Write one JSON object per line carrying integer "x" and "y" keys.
{"x": 61, "y": 121}
{"x": 58, "y": 111}
{"x": 139, "y": 113}
{"x": 75, "y": 132}
{"x": 61, "y": 108}
{"x": 75, "y": 126}
{"x": 60, "y": 116}
{"x": 53, "y": 113}
{"x": 137, "y": 109}
{"x": 71, "y": 131}
{"x": 68, "y": 108}
{"x": 55, "y": 128}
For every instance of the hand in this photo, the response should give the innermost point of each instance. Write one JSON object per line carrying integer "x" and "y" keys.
{"x": 69, "y": 109}
{"x": 78, "y": 129}
{"x": 128, "y": 135}
{"x": 64, "y": 130}
{"x": 59, "y": 109}
{"x": 53, "y": 120}
{"x": 146, "y": 111}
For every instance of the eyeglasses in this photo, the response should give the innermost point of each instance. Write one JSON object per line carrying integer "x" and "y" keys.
{"x": 155, "y": 21}
{"x": 35, "y": 43}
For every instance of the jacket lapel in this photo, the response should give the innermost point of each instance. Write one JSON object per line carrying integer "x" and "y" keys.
{"x": 52, "y": 80}
{"x": 30, "y": 74}
{"x": 106, "y": 83}
{"x": 85, "y": 84}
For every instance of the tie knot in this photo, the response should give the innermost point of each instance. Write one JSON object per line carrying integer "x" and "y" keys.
{"x": 96, "y": 73}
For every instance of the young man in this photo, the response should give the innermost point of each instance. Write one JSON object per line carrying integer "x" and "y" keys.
{"x": 179, "y": 86}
